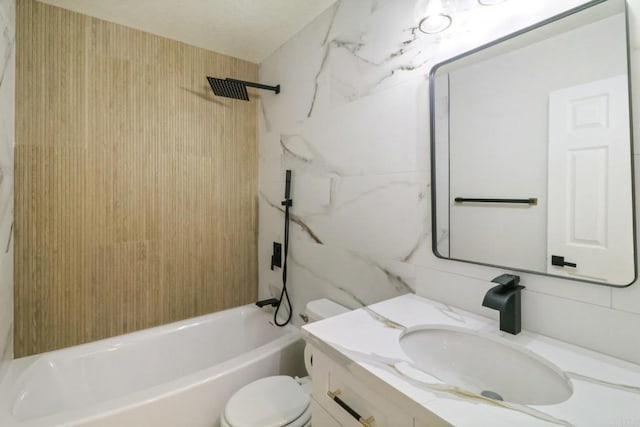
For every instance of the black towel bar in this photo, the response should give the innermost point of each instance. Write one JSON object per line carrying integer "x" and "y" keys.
{"x": 530, "y": 201}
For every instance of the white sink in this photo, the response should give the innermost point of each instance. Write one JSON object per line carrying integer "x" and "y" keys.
{"x": 485, "y": 365}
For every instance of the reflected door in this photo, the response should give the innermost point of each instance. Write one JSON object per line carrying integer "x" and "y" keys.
{"x": 590, "y": 194}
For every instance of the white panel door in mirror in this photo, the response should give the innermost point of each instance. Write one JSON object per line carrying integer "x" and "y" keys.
{"x": 589, "y": 209}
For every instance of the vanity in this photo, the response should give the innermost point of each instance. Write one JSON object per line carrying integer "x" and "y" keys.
{"x": 362, "y": 359}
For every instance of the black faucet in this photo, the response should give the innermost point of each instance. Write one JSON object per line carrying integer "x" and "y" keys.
{"x": 271, "y": 301}
{"x": 506, "y": 298}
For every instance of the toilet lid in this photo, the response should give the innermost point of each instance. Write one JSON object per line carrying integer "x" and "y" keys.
{"x": 268, "y": 402}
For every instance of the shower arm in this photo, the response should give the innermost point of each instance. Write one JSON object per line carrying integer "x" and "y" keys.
{"x": 276, "y": 89}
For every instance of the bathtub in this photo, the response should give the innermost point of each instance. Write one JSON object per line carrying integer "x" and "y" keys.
{"x": 179, "y": 374}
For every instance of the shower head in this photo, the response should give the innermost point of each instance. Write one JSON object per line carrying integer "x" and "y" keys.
{"x": 228, "y": 88}
{"x": 236, "y": 89}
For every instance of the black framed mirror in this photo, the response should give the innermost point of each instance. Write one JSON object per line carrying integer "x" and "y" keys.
{"x": 531, "y": 150}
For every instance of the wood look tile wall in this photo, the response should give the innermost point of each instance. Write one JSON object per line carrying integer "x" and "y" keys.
{"x": 136, "y": 187}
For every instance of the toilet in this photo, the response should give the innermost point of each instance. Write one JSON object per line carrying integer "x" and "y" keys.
{"x": 279, "y": 400}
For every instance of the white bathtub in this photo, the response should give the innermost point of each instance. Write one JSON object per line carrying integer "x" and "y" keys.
{"x": 179, "y": 374}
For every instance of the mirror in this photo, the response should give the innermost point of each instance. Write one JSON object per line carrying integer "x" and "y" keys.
{"x": 531, "y": 150}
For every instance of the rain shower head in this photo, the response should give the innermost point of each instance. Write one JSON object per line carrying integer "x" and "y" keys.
{"x": 229, "y": 88}
{"x": 236, "y": 89}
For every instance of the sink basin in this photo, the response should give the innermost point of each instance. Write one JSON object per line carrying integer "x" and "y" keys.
{"x": 485, "y": 365}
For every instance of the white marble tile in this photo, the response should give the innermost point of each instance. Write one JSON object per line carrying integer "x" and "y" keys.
{"x": 342, "y": 212}
{"x": 309, "y": 279}
{"x": 358, "y": 48}
{"x": 635, "y": 84}
{"x": 7, "y": 89}
{"x": 450, "y": 288}
{"x": 269, "y": 160}
{"x": 344, "y": 276}
{"x": 374, "y": 45}
{"x": 633, "y": 8}
{"x": 566, "y": 319}
{"x": 353, "y": 117}
{"x": 628, "y": 299}
{"x": 7, "y": 119}
{"x": 296, "y": 67}
{"x": 7, "y": 29}
{"x": 602, "y": 329}
{"x": 7, "y": 137}
{"x": 369, "y": 215}
{"x": 6, "y": 210}
{"x": 270, "y": 229}
{"x": 8, "y": 14}
{"x": 314, "y": 195}
{"x": 6, "y": 304}
{"x": 579, "y": 291}
{"x": 569, "y": 289}
{"x": 383, "y": 133}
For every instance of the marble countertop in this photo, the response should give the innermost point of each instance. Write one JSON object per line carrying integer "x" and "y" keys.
{"x": 606, "y": 391}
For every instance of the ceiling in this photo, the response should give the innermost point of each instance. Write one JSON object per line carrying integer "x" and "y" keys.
{"x": 246, "y": 29}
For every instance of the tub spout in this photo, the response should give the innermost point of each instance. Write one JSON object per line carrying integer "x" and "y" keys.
{"x": 271, "y": 301}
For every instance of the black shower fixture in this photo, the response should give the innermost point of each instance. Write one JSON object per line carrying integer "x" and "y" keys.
{"x": 236, "y": 89}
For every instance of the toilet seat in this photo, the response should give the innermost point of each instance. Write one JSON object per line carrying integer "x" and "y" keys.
{"x": 269, "y": 402}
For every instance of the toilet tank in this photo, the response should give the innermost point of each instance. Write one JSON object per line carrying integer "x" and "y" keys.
{"x": 323, "y": 308}
{"x": 319, "y": 309}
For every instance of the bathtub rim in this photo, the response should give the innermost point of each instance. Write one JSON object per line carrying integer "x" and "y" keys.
{"x": 290, "y": 336}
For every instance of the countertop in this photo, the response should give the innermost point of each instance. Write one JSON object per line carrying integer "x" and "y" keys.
{"x": 606, "y": 391}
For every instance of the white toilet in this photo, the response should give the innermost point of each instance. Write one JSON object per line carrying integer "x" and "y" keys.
{"x": 279, "y": 400}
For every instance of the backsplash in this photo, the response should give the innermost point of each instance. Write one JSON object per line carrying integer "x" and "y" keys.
{"x": 352, "y": 124}
{"x": 7, "y": 115}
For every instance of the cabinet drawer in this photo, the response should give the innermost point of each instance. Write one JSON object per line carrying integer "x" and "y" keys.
{"x": 320, "y": 417}
{"x": 343, "y": 396}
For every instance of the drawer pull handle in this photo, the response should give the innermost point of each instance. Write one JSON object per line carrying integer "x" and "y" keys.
{"x": 366, "y": 422}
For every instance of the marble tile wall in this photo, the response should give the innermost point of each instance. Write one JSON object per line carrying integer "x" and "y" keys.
{"x": 351, "y": 123}
{"x": 7, "y": 116}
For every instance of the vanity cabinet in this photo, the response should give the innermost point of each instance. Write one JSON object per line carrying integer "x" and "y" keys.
{"x": 320, "y": 417}
{"x": 359, "y": 358}
{"x": 336, "y": 391}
